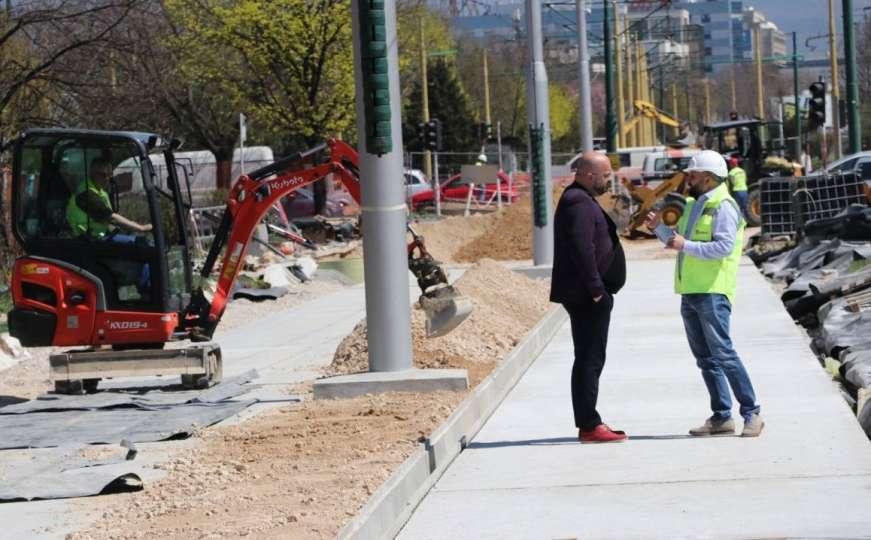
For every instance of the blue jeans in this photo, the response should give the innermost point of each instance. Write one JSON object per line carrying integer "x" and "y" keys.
{"x": 741, "y": 198}
{"x": 706, "y": 321}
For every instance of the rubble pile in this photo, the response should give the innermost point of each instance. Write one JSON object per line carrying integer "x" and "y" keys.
{"x": 826, "y": 280}
{"x": 506, "y": 306}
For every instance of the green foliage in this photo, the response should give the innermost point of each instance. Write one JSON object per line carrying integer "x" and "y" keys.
{"x": 448, "y": 102}
{"x": 5, "y": 306}
{"x": 563, "y": 109}
{"x": 437, "y": 39}
{"x": 288, "y": 64}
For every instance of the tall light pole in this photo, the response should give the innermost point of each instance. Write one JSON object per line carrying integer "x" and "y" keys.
{"x": 795, "y": 92}
{"x": 424, "y": 98}
{"x": 630, "y": 89}
{"x": 852, "y": 84}
{"x": 836, "y": 81}
{"x": 610, "y": 118}
{"x": 618, "y": 55}
{"x": 379, "y": 128}
{"x": 585, "y": 108}
{"x": 486, "y": 94}
{"x": 757, "y": 53}
{"x": 539, "y": 139}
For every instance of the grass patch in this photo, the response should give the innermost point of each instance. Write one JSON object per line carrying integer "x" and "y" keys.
{"x": 5, "y": 306}
{"x": 857, "y": 265}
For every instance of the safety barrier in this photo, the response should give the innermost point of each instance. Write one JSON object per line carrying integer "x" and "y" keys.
{"x": 788, "y": 203}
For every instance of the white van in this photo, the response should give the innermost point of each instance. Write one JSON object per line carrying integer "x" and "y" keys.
{"x": 629, "y": 157}
{"x": 661, "y": 165}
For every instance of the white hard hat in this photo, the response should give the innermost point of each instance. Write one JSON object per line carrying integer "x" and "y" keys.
{"x": 482, "y": 158}
{"x": 709, "y": 161}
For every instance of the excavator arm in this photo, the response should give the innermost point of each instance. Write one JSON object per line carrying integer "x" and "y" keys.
{"x": 251, "y": 198}
{"x": 645, "y": 109}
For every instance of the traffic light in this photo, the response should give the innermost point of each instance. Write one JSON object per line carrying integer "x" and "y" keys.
{"x": 816, "y": 109}
{"x": 433, "y": 135}
{"x": 421, "y": 135}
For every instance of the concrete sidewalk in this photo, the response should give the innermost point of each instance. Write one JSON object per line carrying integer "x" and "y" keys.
{"x": 525, "y": 475}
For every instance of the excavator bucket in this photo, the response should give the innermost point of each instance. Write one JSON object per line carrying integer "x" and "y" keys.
{"x": 445, "y": 309}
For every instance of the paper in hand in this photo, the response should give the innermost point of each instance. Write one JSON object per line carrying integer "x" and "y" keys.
{"x": 664, "y": 233}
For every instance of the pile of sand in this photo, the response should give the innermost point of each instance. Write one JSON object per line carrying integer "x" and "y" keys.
{"x": 506, "y": 305}
{"x": 296, "y": 472}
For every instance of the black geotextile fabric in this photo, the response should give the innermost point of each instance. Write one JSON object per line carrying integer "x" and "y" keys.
{"x": 856, "y": 365}
{"x": 840, "y": 327}
{"x": 816, "y": 271}
{"x": 854, "y": 223}
{"x": 132, "y": 414}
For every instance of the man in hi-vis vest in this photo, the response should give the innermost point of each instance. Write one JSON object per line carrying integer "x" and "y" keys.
{"x": 709, "y": 239}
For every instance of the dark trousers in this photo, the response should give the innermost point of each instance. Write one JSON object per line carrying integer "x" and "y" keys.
{"x": 590, "y": 338}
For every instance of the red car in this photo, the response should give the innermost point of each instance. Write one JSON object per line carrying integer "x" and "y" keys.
{"x": 455, "y": 191}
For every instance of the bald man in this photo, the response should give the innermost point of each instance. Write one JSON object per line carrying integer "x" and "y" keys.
{"x": 589, "y": 267}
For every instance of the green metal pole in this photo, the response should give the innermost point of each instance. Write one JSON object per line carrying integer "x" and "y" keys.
{"x": 795, "y": 91}
{"x": 610, "y": 117}
{"x": 852, "y": 85}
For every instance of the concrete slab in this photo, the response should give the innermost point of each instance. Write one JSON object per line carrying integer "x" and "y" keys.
{"x": 525, "y": 476}
{"x": 378, "y": 382}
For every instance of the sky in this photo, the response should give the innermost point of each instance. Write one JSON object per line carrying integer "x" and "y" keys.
{"x": 807, "y": 18}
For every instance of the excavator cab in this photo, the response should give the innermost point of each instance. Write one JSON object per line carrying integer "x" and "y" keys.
{"x": 86, "y": 279}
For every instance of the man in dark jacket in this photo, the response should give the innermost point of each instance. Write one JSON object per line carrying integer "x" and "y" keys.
{"x": 589, "y": 267}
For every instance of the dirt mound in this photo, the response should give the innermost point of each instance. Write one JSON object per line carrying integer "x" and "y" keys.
{"x": 296, "y": 472}
{"x": 503, "y": 235}
{"x": 506, "y": 306}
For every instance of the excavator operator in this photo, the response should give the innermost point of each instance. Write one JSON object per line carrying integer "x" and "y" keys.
{"x": 89, "y": 210}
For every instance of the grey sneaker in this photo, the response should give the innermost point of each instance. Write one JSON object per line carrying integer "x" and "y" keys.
{"x": 753, "y": 426}
{"x": 714, "y": 427}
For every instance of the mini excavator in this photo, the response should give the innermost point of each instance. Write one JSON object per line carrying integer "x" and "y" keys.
{"x": 123, "y": 297}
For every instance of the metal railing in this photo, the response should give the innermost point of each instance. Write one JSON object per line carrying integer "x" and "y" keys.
{"x": 788, "y": 203}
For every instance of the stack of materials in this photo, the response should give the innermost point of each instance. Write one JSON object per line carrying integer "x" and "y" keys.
{"x": 827, "y": 289}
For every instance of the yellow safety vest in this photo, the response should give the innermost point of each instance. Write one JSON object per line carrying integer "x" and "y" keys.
{"x": 693, "y": 275}
{"x": 738, "y": 179}
{"x": 79, "y": 221}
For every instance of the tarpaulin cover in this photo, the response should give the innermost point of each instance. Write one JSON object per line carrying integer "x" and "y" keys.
{"x": 856, "y": 366}
{"x": 840, "y": 327}
{"x": 109, "y": 417}
{"x": 69, "y": 471}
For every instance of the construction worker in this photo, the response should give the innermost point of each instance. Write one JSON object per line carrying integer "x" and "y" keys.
{"x": 738, "y": 184}
{"x": 482, "y": 160}
{"x": 89, "y": 210}
{"x": 709, "y": 239}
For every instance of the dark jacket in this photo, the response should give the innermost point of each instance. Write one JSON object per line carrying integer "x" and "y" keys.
{"x": 588, "y": 258}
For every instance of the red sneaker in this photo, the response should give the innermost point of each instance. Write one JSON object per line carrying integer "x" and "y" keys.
{"x": 601, "y": 434}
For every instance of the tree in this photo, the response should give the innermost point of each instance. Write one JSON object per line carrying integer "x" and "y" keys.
{"x": 449, "y": 103}
{"x": 36, "y": 36}
{"x": 410, "y": 16}
{"x": 288, "y": 64}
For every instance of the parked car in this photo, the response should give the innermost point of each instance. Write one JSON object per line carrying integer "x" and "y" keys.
{"x": 859, "y": 160}
{"x": 455, "y": 190}
{"x": 415, "y": 182}
{"x": 301, "y": 203}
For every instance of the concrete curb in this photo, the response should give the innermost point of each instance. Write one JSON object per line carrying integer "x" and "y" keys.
{"x": 392, "y": 504}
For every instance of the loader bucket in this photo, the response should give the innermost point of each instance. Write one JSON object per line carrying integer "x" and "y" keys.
{"x": 445, "y": 309}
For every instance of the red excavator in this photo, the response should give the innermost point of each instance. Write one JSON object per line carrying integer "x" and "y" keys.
{"x": 123, "y": 297}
